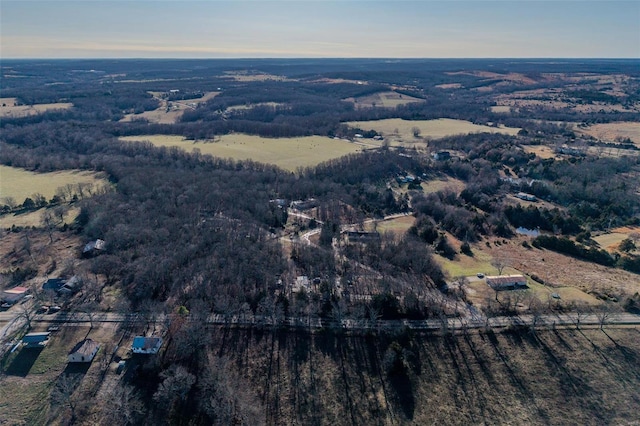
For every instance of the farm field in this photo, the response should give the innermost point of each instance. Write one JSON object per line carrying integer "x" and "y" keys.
{"x": 610, "y": 240}
{"x": 611, "y": 132}
{"x": 8, "y": 109}
{"x": 287, "y": 153}
{"x": 434, "y": 129}
{"x": 20, "y": 184}
{"x": 383, "y": 99}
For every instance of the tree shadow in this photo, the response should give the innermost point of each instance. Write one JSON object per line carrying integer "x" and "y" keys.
{"x": 23, "y": 362}
{"x": 402, "y": 387}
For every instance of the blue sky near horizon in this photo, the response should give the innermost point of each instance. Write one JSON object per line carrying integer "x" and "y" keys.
{"x": 319, "y": 28}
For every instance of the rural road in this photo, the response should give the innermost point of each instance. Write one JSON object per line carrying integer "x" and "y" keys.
{"x": 541, "y": 321}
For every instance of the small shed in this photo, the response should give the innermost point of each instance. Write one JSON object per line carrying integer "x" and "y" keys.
{"x": 93, "y": 247}
{"x": 84, "y": 351}
{"x": 14, "y": 294}
{"x": 146, "y": 345}
{"x": 36, "y": 340}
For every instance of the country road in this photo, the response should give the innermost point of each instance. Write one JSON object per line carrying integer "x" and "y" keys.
{"x": 540, "y": 321}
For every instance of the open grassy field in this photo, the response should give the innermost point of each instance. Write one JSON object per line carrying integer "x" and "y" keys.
{"x": 287, "y": 153}
{"x": 9, "y": 109}
{"x": 398, "y": 226}
{"x": 33, "y": 218}
{"x": 383, "y": 100}
{"x": 610, "y": 240}
{"x": 541, "y": 151}
{"x": 610, "y": 132}
{"x": 558, "y": 270}
{"x": 20, "y": 184}
{"x": 434, "y": 129}
{"x": 502, "y": 109}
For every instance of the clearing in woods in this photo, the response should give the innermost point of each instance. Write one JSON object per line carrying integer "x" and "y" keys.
{"x": 169, "y": 112}
{"x": 10, "y": 109}
{"x": 403, "y": 130}
{"x": 383, "y": 99}
{"x": 19, "y": 183}
{"x": 287, "y": 153}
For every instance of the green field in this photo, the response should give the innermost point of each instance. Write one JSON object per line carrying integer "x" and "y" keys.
{"x": 287, "y": 153}
{"x": 20, "y": 184}
{"x": 434, "y": 129}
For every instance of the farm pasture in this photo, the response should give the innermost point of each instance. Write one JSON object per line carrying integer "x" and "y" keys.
{"x": 9, "y": 109}
{"x": 20, "y": 184}
{"x": 383, "y": 99}
{"x": 287, "y": 153}
{"x": 430, "y": 129}
{"x": 612, "y": 132}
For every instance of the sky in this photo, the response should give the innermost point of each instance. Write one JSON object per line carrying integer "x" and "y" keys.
{"x": 319, "y": 28}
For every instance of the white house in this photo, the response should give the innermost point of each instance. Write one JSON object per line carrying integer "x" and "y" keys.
{"x": 84, "y": 351}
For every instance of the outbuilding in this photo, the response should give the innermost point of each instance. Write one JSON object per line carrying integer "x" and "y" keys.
{"x": 507, "y": 282}
{"x": 84, "y": 351}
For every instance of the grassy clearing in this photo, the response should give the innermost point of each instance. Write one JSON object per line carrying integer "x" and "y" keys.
{"x": 9, "y": 109}
{"x": 434, "y": 129}
{"x": 33, "y": 218}
{"x": 465, "y": 265}
{"x": 168, "y": 112}
{"x": 20, "y": 184}
{"x": 398, "y": 225}
{"x": 431, "y": 186}
{"x": 287, "y": 153}
{"x": 541, "y": 151}
{"x": 383, "y": 99}
{"x": 502, "y": 109}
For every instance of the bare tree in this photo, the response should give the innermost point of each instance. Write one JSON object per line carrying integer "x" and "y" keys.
{"x": 122, "y": 406}
{"x": 499, "y": 263}
{"x": 63, "y": 394}
{"x": 603, "y": 314}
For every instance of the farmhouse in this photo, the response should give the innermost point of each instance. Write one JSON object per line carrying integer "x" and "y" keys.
{"x": 507, "y": 282}
{"x": 36, "y": 340}
{"x": 84, "y": 351}
{"x": 146, "y": 345}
